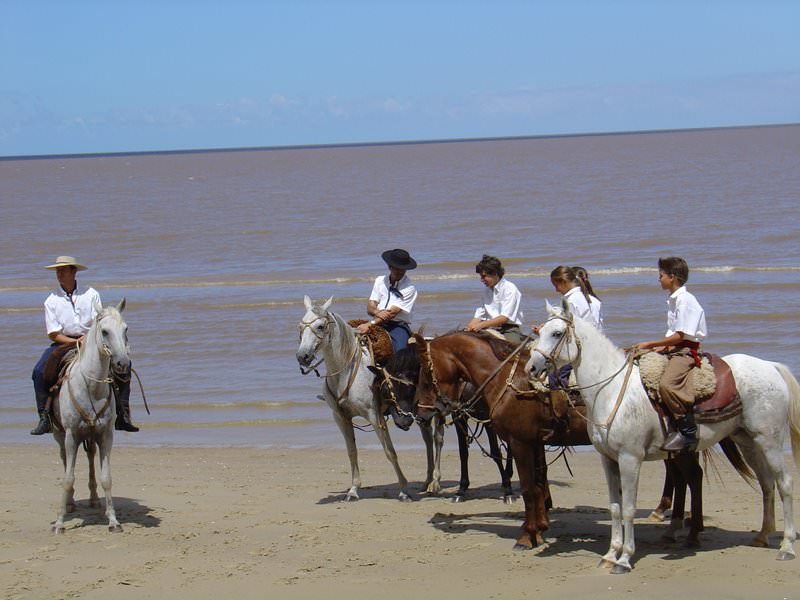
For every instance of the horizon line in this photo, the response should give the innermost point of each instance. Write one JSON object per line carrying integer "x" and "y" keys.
{"x": 383, "y": 143}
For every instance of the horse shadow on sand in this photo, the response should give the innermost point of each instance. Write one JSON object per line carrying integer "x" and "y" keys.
{"x": 129, "y": 512}
{"x": 586, "y": 529}
{"x": 417, "y": 492}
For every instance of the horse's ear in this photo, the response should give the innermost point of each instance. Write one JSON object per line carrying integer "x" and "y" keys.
{"x": 375, "y": 370}
{"x": 565, "y": 306}
{"x": 121, "y": 305}
{"x": 328, "y": 303}
{"x": 307, "y": 302}
{"x": 549, "y": 307}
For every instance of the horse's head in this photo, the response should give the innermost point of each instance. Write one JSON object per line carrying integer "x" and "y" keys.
{"x": 557, "y": 344}
{"x": 436, "y": 384}
{"x": 111, "y": 333}
{"x": 314, "y": 329}
{"x": 396, "y": 383}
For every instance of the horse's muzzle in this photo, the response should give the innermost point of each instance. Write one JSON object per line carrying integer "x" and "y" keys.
{"x": 305, "y": 359}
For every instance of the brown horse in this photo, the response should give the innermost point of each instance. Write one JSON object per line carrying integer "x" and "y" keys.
{"x": 522, "y": 417}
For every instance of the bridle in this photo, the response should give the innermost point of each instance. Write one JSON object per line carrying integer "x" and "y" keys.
{"x": 627, "y": 366}
{"x": 440, "y": 397}
{"x": 388, "y": 382}
{"x": 320, "y": 336}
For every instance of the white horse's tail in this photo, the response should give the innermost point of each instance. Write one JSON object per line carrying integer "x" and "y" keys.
{"x": 794, "y": 409}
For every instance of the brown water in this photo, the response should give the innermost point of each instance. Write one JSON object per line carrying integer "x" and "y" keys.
{"x": 214, "y": 252}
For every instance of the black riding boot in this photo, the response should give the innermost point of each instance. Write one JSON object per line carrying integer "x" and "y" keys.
{"x": 44, "y": 418}
{"x": 685, "y": 439}
{"x": 123, "y": 392}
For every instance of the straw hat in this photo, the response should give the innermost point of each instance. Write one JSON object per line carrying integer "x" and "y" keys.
{"x": 67, "y": 261}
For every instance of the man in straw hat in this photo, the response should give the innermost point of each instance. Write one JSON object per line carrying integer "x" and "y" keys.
{"x": 69, "y": 314}
{"x": 391, "y": 303}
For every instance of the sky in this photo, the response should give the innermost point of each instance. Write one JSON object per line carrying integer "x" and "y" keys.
{"x": 80, "y": 76}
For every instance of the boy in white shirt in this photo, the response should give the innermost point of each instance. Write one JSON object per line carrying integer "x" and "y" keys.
{"x": 500, "y": 302}
{"x": 686, "y": 328}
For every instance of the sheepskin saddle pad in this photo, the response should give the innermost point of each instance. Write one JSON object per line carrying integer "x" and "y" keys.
{"x": 379, "y": 339}
{"x": 715, "y": 388}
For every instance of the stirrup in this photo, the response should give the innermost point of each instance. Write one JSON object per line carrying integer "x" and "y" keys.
{"x": 677, "y": 442}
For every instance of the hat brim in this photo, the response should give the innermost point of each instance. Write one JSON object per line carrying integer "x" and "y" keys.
{"x": 78, "y": 266}
{"x": 392, "y": 262}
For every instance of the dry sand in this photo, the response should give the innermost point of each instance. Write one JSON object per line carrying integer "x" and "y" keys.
{"x": 252, "y": 523}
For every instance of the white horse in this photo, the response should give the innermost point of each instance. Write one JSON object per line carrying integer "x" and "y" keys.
{"x": 347, "y": 389}
{"x": 626, "y": 430}
{"x": 85, "y": 409}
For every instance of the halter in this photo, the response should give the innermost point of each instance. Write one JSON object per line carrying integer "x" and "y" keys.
{"x": 325, "y": 330}
{"x": 388, "y": 378}
{"x": 628, "y": 364}
{"x": 437, "y": 390}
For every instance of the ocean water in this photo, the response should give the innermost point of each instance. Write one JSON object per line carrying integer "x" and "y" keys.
{"x": 214, "y": 252}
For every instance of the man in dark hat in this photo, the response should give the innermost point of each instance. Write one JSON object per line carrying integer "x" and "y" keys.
{"x": 391, "y": 303}
{"x": 69, "y": 314}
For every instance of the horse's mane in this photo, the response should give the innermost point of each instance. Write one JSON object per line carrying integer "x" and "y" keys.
{"x": 405, "y": 360}
{"x": 348, "y": 334}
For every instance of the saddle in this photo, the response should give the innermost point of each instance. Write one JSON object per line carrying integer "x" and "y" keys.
{"x": 379, "y": 340}
{"x": 55, "y": 366}
{"x": 716, "y": 397}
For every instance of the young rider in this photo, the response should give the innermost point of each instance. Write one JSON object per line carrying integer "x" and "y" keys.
{"x": 500, "y": 302}
{"x": 686, "y": 328}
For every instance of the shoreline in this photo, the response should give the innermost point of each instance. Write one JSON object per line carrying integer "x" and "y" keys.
{"x": 247, "y": 521}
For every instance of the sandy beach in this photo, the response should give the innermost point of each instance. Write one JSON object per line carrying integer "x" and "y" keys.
{"x": 205, "y": 523}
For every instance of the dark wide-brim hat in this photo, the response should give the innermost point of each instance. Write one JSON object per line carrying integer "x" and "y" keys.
{"x": 399, "y": 259}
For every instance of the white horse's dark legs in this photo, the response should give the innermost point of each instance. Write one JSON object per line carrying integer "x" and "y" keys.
{"x": 68, "y": 482}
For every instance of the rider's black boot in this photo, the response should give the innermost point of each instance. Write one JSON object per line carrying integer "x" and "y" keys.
{"x": 123, "y": 392}
{"x": 44, "y": 419}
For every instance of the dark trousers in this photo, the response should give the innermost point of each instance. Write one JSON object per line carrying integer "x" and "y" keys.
{"x": 399, "y": 332}
{"x": 41, "y": 388}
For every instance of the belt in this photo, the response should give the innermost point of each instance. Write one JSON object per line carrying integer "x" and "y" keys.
{"x": 693, "y": 348}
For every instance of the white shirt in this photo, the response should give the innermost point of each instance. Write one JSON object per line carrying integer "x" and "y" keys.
{"x": 71, "y": 315}
{"x": 685, "y": 314}
{"x": 503, "y": 299}
{"x": 386, "y": 299}
{"x": 588, "y": 311}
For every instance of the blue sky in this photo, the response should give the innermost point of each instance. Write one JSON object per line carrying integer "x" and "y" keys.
{"x": 112, "y": 76}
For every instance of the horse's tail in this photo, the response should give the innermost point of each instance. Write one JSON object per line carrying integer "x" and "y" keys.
{"x": 794, "y": 409}
{"x": 734, "y": 456}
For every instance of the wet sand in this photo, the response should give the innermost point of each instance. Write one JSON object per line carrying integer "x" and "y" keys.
{"x": 252, "y": 523}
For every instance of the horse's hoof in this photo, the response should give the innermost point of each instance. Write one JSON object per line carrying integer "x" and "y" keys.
{"x": 785, "y": 556}
{"x": 350, "y": 498}
{"x": 605, "y": 564}
{"x": 656, "y": 517}
{"x": 403, "y": 497}
{"x": 619, "y": 569}
{"x": 115, "y": 528}
{"x": 58, "y": 529}
{"x": 508, "y": 499}
{"x": 520, "y": 547}
{"x": 457, "y": 498}
{"x": 759, "y": 543}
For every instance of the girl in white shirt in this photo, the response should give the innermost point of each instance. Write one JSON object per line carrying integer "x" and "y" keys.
{"x": 573, "y": 283}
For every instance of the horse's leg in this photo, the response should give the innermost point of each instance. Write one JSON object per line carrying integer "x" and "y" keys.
{"x": 68, "y": 482}
{"x": 611, "y": 469}
{"x": 693, "y": 475}
{"x": 433, "y": 452}
{"x": 775, "y": 473}
{"x": 379, "y": 424}
{"x": 460, "y": 423}
{"x": 438, "y": 444}
{"x": 659, "y": 513}
{"x": 505, "y": 478}
{"x": 91, "y": 450}
{"x": 346, "y": 427}
{"x": 59, "y": 437}
{"x": 531, "y": 535}
{"x": 105, "y": 443}
{"x": 629, "y": 469}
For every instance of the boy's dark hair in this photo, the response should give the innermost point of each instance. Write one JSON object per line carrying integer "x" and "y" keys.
{"x": 490, "y": 265}
{"x": 675, "y": 265}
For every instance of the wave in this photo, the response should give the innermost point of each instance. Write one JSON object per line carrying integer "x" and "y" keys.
{"x": 533, "y": 273}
